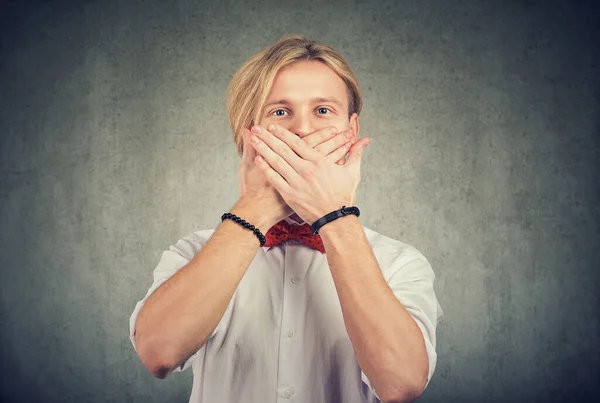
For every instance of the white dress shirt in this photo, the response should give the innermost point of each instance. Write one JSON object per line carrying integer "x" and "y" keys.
{"x": 282, "y": 337}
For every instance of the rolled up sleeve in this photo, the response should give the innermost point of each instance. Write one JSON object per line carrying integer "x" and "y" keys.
{"x": 411, "y": 281}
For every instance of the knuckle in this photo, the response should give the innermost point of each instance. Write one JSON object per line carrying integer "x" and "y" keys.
{"x": 298, "y": 143}
{"x": 310, "y": 142}
{"x": 279, "y": 162}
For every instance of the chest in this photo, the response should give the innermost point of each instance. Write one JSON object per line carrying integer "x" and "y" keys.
{"x": 286, "y": 305}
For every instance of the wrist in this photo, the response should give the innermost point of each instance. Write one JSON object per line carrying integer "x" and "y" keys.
{"x": 245, "y": 210}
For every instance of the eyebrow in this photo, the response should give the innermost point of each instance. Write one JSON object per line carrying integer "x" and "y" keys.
{"x": 313, "y": 100}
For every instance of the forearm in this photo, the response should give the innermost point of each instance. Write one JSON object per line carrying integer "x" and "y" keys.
{"x": 180, "y": 315}
{"x": 388, "y": 344}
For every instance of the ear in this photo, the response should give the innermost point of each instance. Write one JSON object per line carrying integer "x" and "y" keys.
{"x": 354, "y": 126}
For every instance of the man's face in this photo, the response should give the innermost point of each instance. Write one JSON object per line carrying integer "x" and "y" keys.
{"x": 307, "y": 96}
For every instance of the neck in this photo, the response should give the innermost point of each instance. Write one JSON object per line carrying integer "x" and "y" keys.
{"x": 296, "y": 218}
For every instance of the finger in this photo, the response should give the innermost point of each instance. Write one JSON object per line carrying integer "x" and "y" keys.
{"x": 278, "y": 155}
{"x": 273, "y": 177}
{"x": 356, "y": 152}
{"x": 335, "y": 142}
{"x": 319, "y": 136}
{"x": 342, "y": 161}
{"x": 289, "y": 145}
{"x": 339, "y": 154}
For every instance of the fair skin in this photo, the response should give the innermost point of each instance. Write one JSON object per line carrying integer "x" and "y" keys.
{"x": 300, "y": 85}
{"x": 391, "y": 352}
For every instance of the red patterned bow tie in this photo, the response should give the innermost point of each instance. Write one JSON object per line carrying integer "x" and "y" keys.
{"x": 282, "y": 231}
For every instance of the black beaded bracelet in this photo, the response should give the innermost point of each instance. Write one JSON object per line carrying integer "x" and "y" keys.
{"x": 251, "y": 227}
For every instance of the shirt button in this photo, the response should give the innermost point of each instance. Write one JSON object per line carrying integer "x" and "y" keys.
{"x": 295, "y": 279}
{"x": 288, "y": 393}
{"x": 290, "y": 332}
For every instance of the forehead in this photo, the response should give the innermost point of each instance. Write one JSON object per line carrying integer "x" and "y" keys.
{"x": 307, "y": 79}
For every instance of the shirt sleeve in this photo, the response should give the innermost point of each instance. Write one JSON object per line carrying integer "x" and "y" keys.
{"x": 171, "y": 261}
{"x": 411, "y": 281}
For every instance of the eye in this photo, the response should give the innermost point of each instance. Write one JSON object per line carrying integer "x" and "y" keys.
{"x": 323, "y": 109}
{"x": 278, "y": 110}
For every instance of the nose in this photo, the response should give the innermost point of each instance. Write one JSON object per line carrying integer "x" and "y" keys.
{"x": 301, "y": 125}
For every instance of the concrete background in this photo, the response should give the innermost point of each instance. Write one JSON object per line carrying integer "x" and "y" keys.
{"x": 485, "y": 121}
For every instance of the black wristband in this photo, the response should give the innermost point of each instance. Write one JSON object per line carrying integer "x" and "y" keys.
{"x": 334, "y": 215}
{"x": 251, "y": 227}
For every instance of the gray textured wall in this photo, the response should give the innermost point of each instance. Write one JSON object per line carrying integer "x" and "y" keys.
{"x": 485, "y": 156}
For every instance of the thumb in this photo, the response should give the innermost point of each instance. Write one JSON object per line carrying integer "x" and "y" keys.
{"x": 355, "y": 154}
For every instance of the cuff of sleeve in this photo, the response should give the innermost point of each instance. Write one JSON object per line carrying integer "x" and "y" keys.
{"x": 431, "y": 356}
{"x": 132, "y": 320}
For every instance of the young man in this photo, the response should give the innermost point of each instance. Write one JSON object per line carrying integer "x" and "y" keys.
{"x": 348, "y": 315}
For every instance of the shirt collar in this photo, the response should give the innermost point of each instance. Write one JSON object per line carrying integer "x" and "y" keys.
{"x": 290, "y": 221}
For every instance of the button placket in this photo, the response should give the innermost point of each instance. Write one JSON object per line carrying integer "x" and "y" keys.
{"x": 291, "y": 332}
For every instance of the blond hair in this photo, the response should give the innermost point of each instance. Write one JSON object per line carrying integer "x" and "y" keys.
{"x": 248, "y": 89}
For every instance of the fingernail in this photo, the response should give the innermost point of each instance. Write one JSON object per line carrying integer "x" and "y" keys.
{"x": 367, "y": 143}
{"x": 256, "y": 129}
